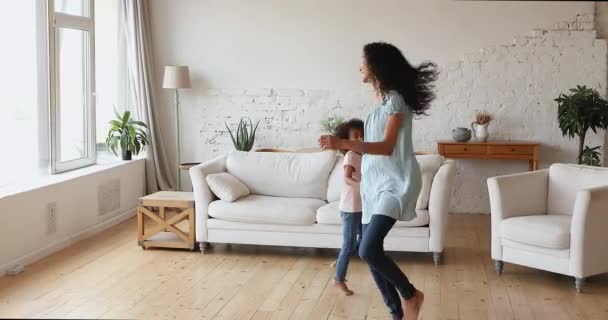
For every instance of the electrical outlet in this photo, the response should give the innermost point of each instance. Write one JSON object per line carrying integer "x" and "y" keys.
{"x": 51, "y": 218}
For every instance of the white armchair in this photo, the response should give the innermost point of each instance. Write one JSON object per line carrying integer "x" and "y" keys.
{"x": 554, "y": 220}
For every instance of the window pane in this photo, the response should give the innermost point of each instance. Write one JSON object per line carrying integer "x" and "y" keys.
{"x": 110, "y": 72}
{"x": 72, "y": 95}
{"x": 73, "y": 7}
{"x": 19, "y": 92}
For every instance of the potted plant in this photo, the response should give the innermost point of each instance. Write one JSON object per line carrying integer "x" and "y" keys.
{"x": 581, "y": 110}
{"x": 127, "y": 133}
{"x": 329, "y": 125}
{"x": 245, "y": 134}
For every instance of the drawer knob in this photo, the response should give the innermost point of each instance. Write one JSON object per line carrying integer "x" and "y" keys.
{"x": 465, "y": 149}
{"x": 513, "y": 149}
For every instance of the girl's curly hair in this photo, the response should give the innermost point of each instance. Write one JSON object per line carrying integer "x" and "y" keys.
{"x": 343, "y": 129}
{"x": 391, "y": 71}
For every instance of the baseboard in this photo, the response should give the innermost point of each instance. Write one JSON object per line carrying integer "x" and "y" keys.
{"x": 59, "y": 245}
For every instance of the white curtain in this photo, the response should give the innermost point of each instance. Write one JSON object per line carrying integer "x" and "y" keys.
{"x": 140, "y": 65}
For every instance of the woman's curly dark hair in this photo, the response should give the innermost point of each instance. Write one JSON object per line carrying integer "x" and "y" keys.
{"x": 391, "y": 71}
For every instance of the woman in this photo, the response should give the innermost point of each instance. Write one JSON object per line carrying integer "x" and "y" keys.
{"x": 391, "y": 179}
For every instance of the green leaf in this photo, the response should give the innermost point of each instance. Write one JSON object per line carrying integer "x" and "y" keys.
{"x": 125, "y": 118}
{"x": 139, "y": 123}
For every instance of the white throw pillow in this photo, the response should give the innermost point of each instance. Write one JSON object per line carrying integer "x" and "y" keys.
{"x": 226, "y": 187}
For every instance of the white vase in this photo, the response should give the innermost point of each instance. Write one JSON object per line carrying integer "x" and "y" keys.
{"x": 480, "y": 131}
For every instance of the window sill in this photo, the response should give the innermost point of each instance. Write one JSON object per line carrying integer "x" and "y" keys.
{"x": 105, "y": 161}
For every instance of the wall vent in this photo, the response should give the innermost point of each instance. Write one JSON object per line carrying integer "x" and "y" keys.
{"x": 51, "y": 218}
{"x": 108, "y": 197}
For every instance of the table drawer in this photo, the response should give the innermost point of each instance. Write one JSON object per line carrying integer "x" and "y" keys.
{"x": 464, "y": 149}
{"x": 510, "y": 149}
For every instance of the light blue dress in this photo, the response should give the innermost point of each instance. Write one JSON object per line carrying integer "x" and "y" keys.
{"x": 390, "y": 184}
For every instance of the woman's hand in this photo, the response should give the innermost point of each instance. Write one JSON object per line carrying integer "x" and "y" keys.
{"x": 329, "y": 142}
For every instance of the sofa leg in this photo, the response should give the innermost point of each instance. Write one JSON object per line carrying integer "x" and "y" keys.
{"x": 202, "y": 246}
{"x": 437, "y": 258}
{"x": 498, "y": 266}
{"x": 579, "y": 283}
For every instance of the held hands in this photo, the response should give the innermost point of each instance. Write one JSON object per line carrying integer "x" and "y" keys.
{"x": 329, "y": 142}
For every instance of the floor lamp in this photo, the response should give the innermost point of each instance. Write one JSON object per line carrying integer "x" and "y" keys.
{"x": 177, "y": 77}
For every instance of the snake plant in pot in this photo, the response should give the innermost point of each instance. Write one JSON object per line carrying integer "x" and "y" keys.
{"x": 244, "y": 136}
{"x": 128, "y": 134}
{"x": 582, "y": 110}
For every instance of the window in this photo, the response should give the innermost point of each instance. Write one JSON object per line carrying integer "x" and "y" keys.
{"x": 54, "y": 104}
{"x": 23, "y": 91}
{"x": 72, "y": 74}
{"x": 111, "y": 87}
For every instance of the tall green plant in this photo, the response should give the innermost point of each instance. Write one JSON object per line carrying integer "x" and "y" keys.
{"x": 245, "y": 134}
{"x": 127, "y": 133}
{"x": 581, "y": 110}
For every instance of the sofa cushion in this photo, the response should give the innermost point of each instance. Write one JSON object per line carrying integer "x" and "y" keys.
{"x": 330, "y": 214}
{"x": 265, "y": 209}
{"x": 429, "y": 165}
{"x": 336, "y": 180}
{"x": 283, "y": 174}
{"x": 547, "y": 231}
{"x": 566, "y": 180}
{"x": 226, "y": 187}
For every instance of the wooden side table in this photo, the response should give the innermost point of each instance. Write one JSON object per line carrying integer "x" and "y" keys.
{"x": 165, "y": 233}
{"x": 505, "y": 150}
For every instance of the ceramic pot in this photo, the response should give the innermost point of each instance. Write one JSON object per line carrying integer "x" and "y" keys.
{"x": 126, "y": 155}
{"x": 461, "y": 134}
{"x": 480, "y": 131}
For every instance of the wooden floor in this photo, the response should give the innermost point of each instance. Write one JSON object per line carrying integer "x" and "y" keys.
{"x": 109, "y": 276}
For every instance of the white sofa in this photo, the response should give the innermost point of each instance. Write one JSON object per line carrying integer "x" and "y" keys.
{"x": 294, "y": 202}
{"x": 555, "y": 220}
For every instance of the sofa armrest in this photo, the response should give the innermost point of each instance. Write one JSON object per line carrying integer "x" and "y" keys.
{"x": 514, "y": 195}
{"x": 202, "y": 194}
{"x": 589, "y": 233}
{"x": 439, "y": 204}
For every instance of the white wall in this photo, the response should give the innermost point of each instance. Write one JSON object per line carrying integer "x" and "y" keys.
{"x": 314, "y": 48}
{"x": 23, "y": 231}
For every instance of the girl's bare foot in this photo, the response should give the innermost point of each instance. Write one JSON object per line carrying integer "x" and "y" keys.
{"x": 413, "y": 306}
{"x": 343, "y": 287}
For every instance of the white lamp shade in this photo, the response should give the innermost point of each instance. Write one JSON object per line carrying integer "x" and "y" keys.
{"x": 176, "y": 77}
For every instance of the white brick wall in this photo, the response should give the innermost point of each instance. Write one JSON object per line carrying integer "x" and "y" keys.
{"x": 517, "y": 82}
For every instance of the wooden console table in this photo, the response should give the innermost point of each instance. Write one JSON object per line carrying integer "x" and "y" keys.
{"x": 506, "y": 150}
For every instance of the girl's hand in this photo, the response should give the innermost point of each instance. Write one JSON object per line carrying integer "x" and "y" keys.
{"x": 329, "y": 142}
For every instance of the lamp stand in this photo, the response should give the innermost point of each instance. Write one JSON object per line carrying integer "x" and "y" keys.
{"x": 179, "y": 174}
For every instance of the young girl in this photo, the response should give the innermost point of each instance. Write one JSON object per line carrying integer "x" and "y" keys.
{"x": 350, "y": 202}
{"x": 391, "y": 177}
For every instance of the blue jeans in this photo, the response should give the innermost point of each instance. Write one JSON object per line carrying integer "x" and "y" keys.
{"x": 389, "y": 279}
{"x": 351, "y": 233}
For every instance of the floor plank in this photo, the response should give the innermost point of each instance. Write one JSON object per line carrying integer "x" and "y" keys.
{"x": 108, "y": 276}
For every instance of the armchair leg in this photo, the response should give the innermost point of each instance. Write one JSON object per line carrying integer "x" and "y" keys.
{"x": 437, "y": 258}
{"x": 498, "y": 266}
{"x": 579, "y": 283}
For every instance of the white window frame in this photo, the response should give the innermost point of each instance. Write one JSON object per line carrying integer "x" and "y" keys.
{"x": 85, "y": 23}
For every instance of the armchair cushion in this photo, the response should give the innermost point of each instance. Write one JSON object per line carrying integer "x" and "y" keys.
{"x": 547, "y": 231}
{"x": 566, "y": 180}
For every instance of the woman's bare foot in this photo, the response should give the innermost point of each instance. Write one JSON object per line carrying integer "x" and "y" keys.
{"x": 343, "y": 287}
{"x": 413, "y": 306}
